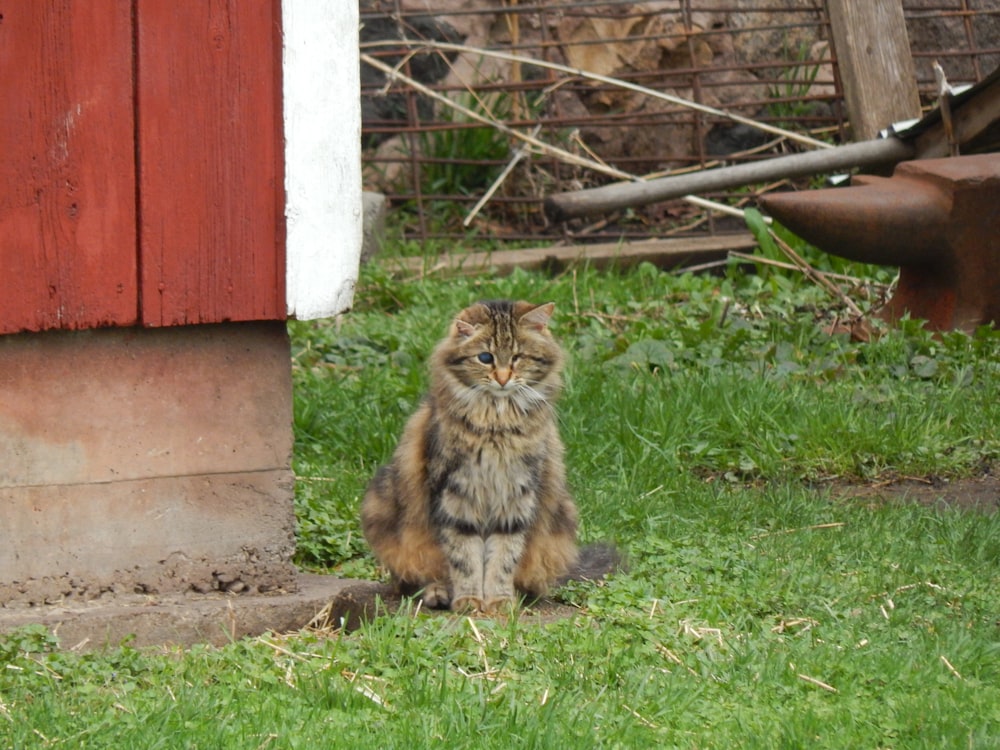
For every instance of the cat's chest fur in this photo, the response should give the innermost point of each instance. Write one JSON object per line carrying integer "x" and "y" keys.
{"x": 489, "y": 481}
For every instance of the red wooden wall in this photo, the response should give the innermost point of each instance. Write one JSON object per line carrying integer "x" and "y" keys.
{"x": 141, "y": 170}
{"x": 67, "y": 174}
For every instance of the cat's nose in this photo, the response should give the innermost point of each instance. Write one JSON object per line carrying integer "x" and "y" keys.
{"x": 502, "y": 375}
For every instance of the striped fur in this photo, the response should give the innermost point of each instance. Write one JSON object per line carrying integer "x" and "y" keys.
{"x": 473, "y": 508}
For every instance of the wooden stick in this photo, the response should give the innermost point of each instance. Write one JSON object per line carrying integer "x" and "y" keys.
{"x": 792, "y": 267}
{"x": 817, "y": 683}
{"x": 951, "y": 668}
{"x": 944, "y": 105}
{"x": 518, "y": 155}
{"x": 815, "y": 276}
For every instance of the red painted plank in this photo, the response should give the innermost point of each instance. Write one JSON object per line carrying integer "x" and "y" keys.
{"x": 67, "y": 190}
{"x": 211, "y": 198}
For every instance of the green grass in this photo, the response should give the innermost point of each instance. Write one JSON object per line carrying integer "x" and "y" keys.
{"x": 705, "y": 419}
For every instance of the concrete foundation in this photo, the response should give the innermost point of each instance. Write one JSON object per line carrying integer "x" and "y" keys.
{"x": 152, "y": 461}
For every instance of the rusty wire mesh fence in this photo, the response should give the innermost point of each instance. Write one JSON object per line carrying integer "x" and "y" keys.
{"x": 475, "y": 110}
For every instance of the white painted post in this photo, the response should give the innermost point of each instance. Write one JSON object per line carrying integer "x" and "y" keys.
{"x": 322, "y": 112}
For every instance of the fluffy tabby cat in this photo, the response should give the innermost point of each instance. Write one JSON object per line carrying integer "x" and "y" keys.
{"x": 473, "y": 508}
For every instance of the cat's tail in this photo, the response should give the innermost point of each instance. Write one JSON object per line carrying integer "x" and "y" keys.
{"x": 594, "y": 562}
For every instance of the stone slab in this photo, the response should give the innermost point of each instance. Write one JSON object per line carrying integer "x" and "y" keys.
{"x": 319, "y": 601}
{"x": 185, "y": 619}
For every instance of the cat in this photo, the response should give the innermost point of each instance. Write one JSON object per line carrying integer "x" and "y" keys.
{"x": 473, "y": 509}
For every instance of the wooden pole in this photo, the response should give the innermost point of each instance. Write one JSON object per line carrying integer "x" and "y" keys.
{"x": 876, "y": 66}
{"x": 627, "y": 194}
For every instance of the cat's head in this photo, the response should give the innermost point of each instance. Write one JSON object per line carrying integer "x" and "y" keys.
{"x": 503, "y": 349}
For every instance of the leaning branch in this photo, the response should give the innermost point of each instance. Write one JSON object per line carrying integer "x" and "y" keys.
{"x": 617, "y": 82}
{"x": 394, "y": 74}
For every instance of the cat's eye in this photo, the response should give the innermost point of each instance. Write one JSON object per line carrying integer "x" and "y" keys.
{"x": 485, "y": 357}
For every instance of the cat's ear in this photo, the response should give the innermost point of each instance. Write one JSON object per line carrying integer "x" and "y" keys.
{"x": 463, "y": 328}
{"x": 467, "y": 321}
{"x": 538, "y": 317}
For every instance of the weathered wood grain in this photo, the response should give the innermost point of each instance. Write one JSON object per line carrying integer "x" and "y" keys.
{"x": 211, "y": 198}
{"x": 666, "y": 253}
{"x": 876, "y": 66}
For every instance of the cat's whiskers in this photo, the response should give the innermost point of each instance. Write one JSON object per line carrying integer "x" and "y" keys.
{"x": 537, "y": 395}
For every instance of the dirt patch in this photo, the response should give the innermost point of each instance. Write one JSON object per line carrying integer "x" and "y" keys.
{"x": 366, "y": 600}
{"x": 976, "y": 494}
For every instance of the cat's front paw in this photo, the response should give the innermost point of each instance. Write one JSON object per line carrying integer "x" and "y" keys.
{"x": 499, "y": 605}
{"x": 435, "y": 596}
{"x": 467, "y": 604}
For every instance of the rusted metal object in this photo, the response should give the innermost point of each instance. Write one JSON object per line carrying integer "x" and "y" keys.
{"x": 937, "y": 219}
